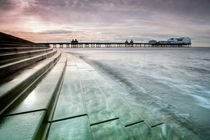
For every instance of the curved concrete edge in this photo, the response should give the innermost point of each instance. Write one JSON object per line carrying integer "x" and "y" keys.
{"x": 7, "y": 69}
{"x": 39, "y": 124}
{"x": 12, "y": 89}
{"x": 44, "y": 129}
{"x": 11, "y": 57}
{"x": 19, "y": 49}
{"x": 51, "y": 107}
{"x": 43, "y": 124}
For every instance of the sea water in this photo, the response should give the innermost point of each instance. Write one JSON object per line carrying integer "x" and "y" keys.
{"x": 177, "y": 80}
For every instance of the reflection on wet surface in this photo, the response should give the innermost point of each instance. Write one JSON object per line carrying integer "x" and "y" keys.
{"x": 108, "y": 99}
{"x": 155, "y": 86}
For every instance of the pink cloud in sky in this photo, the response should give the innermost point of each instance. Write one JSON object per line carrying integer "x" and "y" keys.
{"x": 106, "y": 20}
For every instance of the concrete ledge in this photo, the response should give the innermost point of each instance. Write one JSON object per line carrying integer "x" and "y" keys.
{"x": 22, "y": 126}
{"x": 10, "y": 90}
{"x": 11, "y": 57}
{"x": 7, "y": 69}
{"x": 19, "y": 49}
{"x": 46, "y": 93}
{"x": 9, "y": 44}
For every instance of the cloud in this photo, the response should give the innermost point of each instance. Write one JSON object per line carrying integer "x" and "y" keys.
{"x": 108, "y": 19}
{"x": 56, "y": 32}
{"x": 5, "y": 5}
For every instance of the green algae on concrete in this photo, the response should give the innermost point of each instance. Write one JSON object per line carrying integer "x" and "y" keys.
{"x": 152, "y": 117}
{"x": 112, "y": 130}
{"x": 95, "y": 101}
{"x": 121, "y": 108}
{"x": 70, "y": 102}
{"x": 22, "y": 126}
{"x": 71, "y": 129}
{"x": 115, "y": 101}
{"x": 97, "y": 107}
{"x": 125, "y": 104}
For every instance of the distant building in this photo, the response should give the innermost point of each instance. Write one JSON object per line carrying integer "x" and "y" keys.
{"x": 180, "y": 40}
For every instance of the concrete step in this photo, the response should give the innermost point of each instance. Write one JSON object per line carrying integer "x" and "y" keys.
{"x": 12, "y": 89}
{"x": 7, "y": 69}
{"x": 33, "y": 111}
{"x": 19, "y": 49}
{"x": 44, "y": 92}
{"x": 17, "y": 45}
{"x": 11, "y": 57}
{"x": 9, "y": 44}
{"x": 22, "y": 127}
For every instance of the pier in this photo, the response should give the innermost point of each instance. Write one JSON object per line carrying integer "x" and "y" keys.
{"x": 109, "y": 45}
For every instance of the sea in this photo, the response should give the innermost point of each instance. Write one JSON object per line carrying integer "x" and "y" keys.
{"x": 176, "y": 80}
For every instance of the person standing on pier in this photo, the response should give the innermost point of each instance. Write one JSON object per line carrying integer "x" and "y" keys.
{"x": 131, "y": 42}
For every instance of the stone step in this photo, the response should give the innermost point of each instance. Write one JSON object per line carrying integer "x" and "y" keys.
{"x": 12, "y": 89}
{"x": 22, "y": 126}
{"x": 9, "y": 44}
{"x": 11, "y": 57}
{"x": 28, "y": 122}
{"x": 9, "y": 68}
{"x": 42, "y": 96}
{"x": 19, "y": 49}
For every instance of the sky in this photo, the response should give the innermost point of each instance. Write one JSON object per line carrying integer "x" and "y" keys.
{"x": 106, "y": 20}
